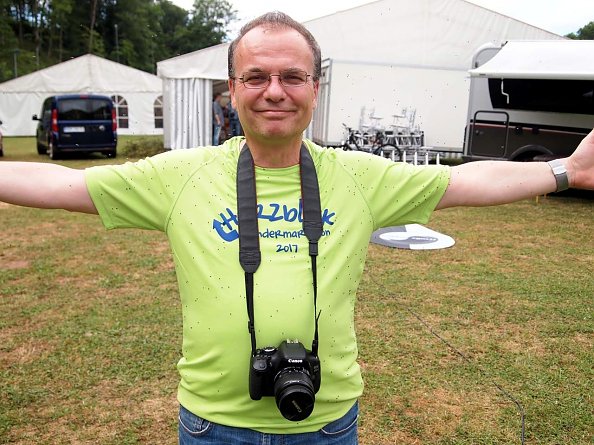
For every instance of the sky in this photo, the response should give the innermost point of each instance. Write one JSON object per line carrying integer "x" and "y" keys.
{"x": 558, "y": 16}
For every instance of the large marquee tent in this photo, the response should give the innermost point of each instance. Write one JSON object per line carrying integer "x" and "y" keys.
{"x": 385, "y": 55}
{"x": 138, "y": 94}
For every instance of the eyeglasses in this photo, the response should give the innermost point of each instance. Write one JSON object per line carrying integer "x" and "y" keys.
{"x": 260, "y": 79}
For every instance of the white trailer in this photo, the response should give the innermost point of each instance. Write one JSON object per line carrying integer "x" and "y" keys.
{"x": 530, "y": 100}
{"x": 347, "y": 86}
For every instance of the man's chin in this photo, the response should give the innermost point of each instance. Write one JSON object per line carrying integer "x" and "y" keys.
{"x": 280, "y": 137}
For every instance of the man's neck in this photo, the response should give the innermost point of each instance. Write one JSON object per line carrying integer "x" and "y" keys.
{"x": 275, "y": 155}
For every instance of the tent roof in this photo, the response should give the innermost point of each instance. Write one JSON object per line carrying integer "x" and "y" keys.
{"x": 213, "y": 64}
{"x": 438, "y": 34}
{"x": 541, "y": 59}
{"x": 433, "y": 34}
{"x": 88, "y": 73}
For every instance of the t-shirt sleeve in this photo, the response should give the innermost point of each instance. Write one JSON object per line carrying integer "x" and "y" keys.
{"x": 135, "y": 194}
{"x": 399, "y": 193}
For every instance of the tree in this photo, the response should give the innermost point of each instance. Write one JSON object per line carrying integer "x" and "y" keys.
{"x": 58, "y": 11}
{"x": 208, "y": 25}
{"x": 135, "y": 33}
{"x": 8, "y": 42}
{"x": 138, "y": 33}
{"x": 585, "y": 33}
{"x": 171, "y": 21}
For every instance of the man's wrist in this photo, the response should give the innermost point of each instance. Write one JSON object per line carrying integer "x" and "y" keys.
{"x": 560, "y": 172}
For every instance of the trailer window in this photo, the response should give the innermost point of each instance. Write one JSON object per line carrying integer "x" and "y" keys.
{"x": 560, "y": 96}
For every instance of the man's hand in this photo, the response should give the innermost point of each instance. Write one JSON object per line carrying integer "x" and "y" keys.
{"x": 580, "y": 165}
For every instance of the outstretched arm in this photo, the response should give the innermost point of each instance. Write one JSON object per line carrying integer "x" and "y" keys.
{"x": 45, "y": 186}
{"x": 487, "y": 183}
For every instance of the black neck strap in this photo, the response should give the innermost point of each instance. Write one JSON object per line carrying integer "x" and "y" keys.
{"x": 247, "y": 216}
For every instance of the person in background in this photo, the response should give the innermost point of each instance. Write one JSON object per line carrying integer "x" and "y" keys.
{"x": 234, "y": 124}
{"x": 218, "y": 119}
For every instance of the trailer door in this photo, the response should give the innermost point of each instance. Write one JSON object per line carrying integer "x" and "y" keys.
{"x": 488, "y": 134}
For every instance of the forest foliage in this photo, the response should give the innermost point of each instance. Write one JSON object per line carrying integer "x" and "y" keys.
{"x": 35, "y": 34}
{"x": 584, "y": 33}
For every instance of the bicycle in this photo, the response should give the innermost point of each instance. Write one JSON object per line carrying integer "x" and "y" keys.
{"x": 376, "y": 143}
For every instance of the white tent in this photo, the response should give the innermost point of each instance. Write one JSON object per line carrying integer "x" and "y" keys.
{"x": 187, "y": 95}
{"x": 384, "y": 55}
{"x": 543, "y": 59}
{"x": 138, "y": 94}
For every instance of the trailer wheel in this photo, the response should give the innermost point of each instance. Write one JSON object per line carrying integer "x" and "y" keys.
{"x": 525, "y": 157}
{"x": 531, "y": 153}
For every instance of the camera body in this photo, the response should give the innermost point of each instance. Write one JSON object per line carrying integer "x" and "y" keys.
{"x": 290, "y": 373}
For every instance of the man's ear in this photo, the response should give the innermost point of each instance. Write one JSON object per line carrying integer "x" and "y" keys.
{"x": 231, "y": 84}
{"x": 316, "y": 87}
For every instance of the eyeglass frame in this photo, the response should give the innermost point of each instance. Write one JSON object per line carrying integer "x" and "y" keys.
{"x": 270, "y": 76}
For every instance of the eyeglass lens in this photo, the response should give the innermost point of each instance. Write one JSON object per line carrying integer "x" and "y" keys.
{"x": 288, "y": 78}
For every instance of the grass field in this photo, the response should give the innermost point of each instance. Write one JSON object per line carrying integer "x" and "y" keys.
{"x": 90, "y": 328}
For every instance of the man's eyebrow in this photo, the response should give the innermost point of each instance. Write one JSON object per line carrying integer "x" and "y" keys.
{"x": 260, "y": 70}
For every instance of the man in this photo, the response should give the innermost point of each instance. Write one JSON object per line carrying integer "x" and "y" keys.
{"x": 234, "y": 124}
{"x": 218, "y": 119}
{"x": 192, "y": 195}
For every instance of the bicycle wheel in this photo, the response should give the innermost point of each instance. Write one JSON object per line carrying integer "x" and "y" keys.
{"x": 391, "y": 152}
{"x": 350, "y": 146}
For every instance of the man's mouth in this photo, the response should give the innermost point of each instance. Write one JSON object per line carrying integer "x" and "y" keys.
{"x": 275, "y": 113}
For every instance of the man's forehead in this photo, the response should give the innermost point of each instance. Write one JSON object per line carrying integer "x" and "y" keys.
{"x": 264, "y": 40}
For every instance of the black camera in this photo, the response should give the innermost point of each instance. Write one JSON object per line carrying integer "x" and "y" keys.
{"x": 291, "y": 374}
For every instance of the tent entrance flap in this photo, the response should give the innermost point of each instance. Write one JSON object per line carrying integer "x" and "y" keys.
{"x": 187, "y": 118}
{"x": 541, "y": 59}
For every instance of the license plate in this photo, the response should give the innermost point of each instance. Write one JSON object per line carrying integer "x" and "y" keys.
{"x": 74, "y": 129}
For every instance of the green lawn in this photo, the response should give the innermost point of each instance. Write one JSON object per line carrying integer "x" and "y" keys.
{"x": 90, "y": 328}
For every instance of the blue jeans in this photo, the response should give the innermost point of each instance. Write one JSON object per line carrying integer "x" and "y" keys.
{"x": 216, "y": 133}
{"x": 235, "y": 127}
{"x": 194, "y": 430}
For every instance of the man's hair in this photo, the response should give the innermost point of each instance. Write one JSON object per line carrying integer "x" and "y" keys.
{"x": 277, "y": 20}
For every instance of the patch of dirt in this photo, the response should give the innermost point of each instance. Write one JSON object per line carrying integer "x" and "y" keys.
{"x": 27, "y": 352}
{"x": 106, "y": 414}
{"x": 15, "y": 264}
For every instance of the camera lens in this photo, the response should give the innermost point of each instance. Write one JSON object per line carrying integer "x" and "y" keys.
{"x": 294, "y": 394}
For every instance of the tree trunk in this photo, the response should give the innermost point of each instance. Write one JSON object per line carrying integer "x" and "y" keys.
{"x": 92, "y": 27}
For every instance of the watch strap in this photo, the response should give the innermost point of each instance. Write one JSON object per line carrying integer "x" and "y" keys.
{"x": 560, "y": 173}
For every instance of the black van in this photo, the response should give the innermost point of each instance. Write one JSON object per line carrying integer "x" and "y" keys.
{"x": 77, "y": 123}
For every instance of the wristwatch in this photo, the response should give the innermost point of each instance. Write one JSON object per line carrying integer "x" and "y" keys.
{"x": 560, "y": 173}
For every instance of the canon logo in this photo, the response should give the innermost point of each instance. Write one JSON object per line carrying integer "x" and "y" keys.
{"x": 292, "y": 360}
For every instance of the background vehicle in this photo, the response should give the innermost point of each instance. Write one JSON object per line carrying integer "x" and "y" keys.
{"x": 530, "y": 100}
{"x": 77, "y": 123}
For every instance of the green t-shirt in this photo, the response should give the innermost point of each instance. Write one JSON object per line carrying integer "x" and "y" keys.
{"x": 190, "y": 195}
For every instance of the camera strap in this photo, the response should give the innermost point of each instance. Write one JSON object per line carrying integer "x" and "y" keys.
{"x": 247, "y": 217}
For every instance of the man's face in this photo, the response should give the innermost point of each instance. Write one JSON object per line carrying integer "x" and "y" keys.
{"x": 274, "y": 113}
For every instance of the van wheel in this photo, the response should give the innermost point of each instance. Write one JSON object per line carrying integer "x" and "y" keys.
{"x": 111, "y": 153}
{"x": 41, "y": 149}
{"x": 51, "y": 150}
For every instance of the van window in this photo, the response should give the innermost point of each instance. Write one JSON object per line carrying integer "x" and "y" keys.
{"x": 558, "y": 96}
{"x": 46, "y": 109}
{"x": 84, "y": 109}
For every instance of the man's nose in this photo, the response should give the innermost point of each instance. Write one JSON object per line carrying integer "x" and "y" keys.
{"x": 275, "y": 90}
